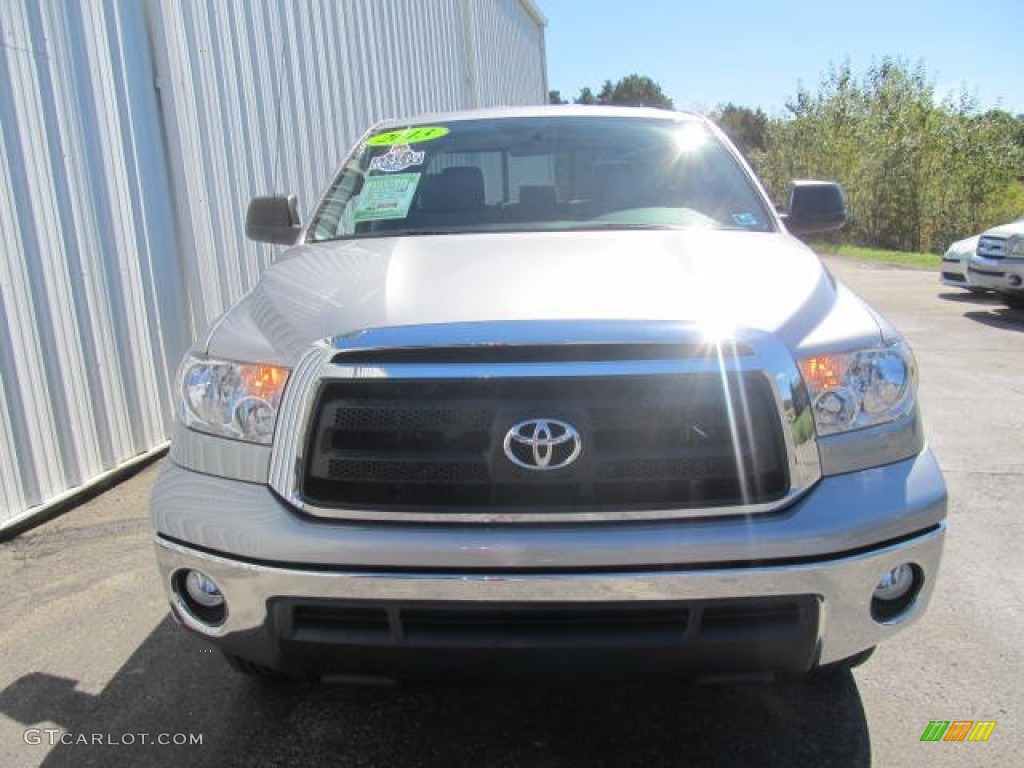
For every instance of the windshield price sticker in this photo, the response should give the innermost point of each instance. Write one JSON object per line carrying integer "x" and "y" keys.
{"x": 386, "y": 197}
{"x": 407, "y": 136}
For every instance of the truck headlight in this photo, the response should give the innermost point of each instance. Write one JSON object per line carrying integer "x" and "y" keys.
{"x": 860, "y": 389}
{"x": 237, "y": 400}
{"x": 1015, "y": 247}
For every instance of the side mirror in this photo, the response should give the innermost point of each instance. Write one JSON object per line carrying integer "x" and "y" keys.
{"x": 815, "y": 206}
{"x": 273, "y": 220}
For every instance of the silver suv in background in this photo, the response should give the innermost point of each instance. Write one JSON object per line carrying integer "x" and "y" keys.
{"x": 548, "y": 390}
{"x": 998, "y": 263}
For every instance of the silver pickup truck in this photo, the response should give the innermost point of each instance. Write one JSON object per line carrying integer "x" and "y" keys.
{"x": 548, "y": 390}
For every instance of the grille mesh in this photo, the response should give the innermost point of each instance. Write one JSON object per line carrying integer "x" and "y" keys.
{"x": 425, "y": 472}
{"x": 648, "y": 442}
{"x": 377, "y": 419}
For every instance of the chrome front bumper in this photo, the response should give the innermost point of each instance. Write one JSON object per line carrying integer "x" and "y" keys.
{"x": 954, "y": 272}
{"x": 1005, "y": 274}
{"x": 830, "y": 546}
{"x": 843, "y": 586}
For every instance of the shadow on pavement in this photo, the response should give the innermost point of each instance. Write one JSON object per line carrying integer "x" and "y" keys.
{"x": 1006, "y": 319}
{"x": 969, "y": 297}
{"x": 173, "y": 684}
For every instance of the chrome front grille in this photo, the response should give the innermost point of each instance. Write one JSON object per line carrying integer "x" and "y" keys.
{"x": 683, "y": 441}
{"x": 992, "y": 247}
{"x": 411, "y": 424}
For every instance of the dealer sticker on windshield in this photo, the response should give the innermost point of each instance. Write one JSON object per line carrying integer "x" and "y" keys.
{"x": 415, "y": 135}
{"x": 397, "y": 158}
{"x": 386, "y": 197}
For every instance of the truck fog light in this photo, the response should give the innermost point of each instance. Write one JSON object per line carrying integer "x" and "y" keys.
{"x": 895, "y": 583}
{"x": 896, "y": 591}
{"x": 202, "y": 589}
{"x": 201, "y": 596}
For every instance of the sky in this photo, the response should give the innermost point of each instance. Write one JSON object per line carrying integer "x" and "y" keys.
{"x": 754, "y": 53}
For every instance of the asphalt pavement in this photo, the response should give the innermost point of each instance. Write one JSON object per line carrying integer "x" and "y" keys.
{"x": 93, "y": 671}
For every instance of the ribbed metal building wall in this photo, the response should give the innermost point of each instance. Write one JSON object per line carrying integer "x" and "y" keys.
{"x": 89, "y": 288}
{"x": 506, "y": 41}
{"x": 134, "y": 133}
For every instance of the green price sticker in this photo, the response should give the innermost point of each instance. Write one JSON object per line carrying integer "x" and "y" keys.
{"x": 386, "y": 197}
{"x": 407, "y": 136}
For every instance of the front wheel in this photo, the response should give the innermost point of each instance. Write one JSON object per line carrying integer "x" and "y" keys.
{"x": 1013, "y": 300}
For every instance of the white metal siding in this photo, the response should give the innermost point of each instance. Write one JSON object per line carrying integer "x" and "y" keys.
{"x": 509, "y": 66}
{"x": 86, "y": 232}
{"x": 134, "y": 133}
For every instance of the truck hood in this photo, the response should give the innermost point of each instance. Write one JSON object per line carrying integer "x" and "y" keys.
{"x": 964, "y": 247}
{"x": 769, "y": 282}
{"x": 1006, "y": 230}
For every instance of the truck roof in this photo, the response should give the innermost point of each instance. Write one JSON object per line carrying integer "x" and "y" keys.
{"x": 564, "y": 110}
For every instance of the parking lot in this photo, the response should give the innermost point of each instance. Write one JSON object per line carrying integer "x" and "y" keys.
{"x": 88, "y": 649}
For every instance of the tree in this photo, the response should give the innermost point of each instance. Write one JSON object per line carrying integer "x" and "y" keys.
{"x": 630, "y": 91}
{"x": 747, "y": 128}
{"x": 635, "y": 91}
{"x": 918, "y": 173}
{"x": 1014, "y": 124}
{"x": 555, "y": 97}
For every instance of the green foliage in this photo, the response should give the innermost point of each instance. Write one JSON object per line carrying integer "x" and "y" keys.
{"x": 747, "y": 128}
{"x": 632, "y": 91}
{"x": 1008, "y": 205}
{"x": 555, "y": 97}
{"x": 918, "y": 173}
{"x": 902, "y": 258}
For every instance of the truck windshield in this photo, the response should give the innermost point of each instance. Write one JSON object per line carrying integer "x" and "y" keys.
{"x": 557, "y": 173}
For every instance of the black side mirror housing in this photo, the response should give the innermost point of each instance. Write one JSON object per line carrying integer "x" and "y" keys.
{"x": 815, "y": 206}
{"x": 273, "y": 220}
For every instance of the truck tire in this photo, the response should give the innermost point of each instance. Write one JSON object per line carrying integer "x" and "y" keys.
{"x": 843, "y": 665}
{"x": 1013, "y": 300}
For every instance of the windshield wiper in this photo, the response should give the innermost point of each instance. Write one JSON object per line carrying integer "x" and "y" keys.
{"x": 416, "y": 232}
{"x": 629, "y": 225}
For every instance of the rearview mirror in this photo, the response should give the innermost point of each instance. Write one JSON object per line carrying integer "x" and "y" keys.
{"x": 273, "y": 220}
{"x": 814, "y": 206}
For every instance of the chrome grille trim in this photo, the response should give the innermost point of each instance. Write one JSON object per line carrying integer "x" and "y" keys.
{"x": 992, "y": 247}
{"x": 760, "y": 353}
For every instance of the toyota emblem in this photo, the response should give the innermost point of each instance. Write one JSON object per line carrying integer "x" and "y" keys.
{"x": 543, "y": 444}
